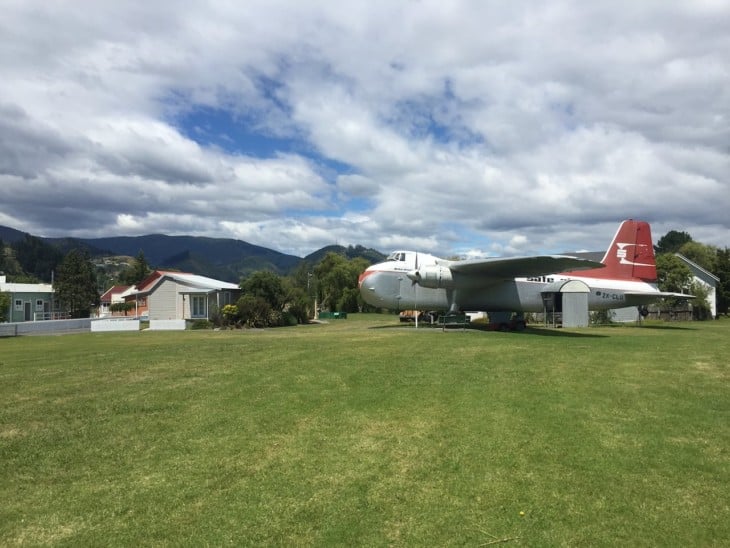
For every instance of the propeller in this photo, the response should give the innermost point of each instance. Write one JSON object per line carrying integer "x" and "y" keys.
{"x": 415, "y": 290}
{"x": 414, "y": 275}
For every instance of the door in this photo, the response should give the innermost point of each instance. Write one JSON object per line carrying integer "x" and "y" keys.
{"x": 27, "y": 314}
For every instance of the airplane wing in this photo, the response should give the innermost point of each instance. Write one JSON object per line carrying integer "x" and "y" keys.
{"x": 637, "y": 298}
{"x": 518, "y": 267}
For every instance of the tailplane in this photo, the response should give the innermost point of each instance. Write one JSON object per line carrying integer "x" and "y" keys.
{"x": 630, "y": 255}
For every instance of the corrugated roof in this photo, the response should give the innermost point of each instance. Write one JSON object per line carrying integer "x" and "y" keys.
{"x": 697, "y": 267}
{"x": 26, "y": 288}
{"x": 193, "y": 280}
{"x": 202, "y": 282}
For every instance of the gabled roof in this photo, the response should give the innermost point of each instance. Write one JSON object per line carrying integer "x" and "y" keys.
{"x": 194, "y": 281}
{"x": 697, "y": 267}
{"x": 114, "y": 290}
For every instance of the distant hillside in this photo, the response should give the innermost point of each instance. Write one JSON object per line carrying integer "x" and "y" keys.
{"x": 67, "y": 244}
{"x": 370, "y": 255}
{"x": 10, "y": 235}
{"x": 220, "y": 258}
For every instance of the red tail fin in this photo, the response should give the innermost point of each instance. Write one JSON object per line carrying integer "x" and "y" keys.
{"x": 630, "y": 255}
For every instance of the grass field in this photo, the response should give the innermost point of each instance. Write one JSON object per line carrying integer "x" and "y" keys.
{"x": 362, "y": 432}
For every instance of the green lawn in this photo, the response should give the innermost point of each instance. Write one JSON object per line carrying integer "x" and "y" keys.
{"x": 361, "y": 432}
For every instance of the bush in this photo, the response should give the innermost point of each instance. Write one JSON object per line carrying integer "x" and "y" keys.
{"x": 200, "y": 324}
{"x": 229, "y": 314}
{"x": 254, "y": 311}
{"x": 602, "y": 317}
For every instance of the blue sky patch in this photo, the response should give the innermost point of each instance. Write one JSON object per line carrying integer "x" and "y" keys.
{"x": 234, "y": 134}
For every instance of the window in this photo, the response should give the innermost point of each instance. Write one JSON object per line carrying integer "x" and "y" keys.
{"x": 39, "y": 305}
{"x": 18, "y": 304}
{"x": 198, "y": 306}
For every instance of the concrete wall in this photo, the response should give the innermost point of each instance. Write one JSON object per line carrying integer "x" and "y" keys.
{"x": 167, "y": 325}
{"x": 50, "y": 327}
{"x": 114, "y": 324}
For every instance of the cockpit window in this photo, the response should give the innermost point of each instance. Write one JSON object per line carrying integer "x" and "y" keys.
{"x": 397, "y": 256}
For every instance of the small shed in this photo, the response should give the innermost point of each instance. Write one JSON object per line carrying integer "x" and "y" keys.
{"x": 567, "y": 299}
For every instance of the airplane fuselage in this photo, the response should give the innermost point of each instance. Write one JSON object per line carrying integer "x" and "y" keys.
{"x": 626, "y": 276}
{"x": 395, "y": 291}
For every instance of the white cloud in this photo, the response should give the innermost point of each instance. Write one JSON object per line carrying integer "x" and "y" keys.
{"x": 453, "y": 126}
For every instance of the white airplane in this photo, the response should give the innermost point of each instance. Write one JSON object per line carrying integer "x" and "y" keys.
{"x": 626, "y": 276}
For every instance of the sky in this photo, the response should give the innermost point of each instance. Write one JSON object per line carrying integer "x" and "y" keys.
{"x": 460, "y": 128}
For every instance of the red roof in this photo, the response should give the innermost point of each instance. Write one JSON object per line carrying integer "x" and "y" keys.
{"x": 152, "y": 278}
{"x": 114, "y": 290}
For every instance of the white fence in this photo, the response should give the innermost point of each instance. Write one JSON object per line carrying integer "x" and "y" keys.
{"x": 84, "y": 325}
{"x": 114, "y": 324}
{"x": 49, "y": 327}
{"x": 167, "y": 325}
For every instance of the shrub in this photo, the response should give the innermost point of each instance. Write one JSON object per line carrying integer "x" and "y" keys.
{"x": 602, "y": 317}
{"x": 200, "y": 324}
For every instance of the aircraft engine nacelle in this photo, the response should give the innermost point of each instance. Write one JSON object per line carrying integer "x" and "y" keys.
{"x": 433, "y": 276}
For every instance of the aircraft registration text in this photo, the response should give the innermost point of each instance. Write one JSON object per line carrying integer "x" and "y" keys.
{"x": 610, "y": 296}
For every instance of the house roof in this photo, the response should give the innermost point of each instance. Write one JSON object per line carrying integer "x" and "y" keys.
{"x": 25, "y": 288}
{"x": 194, "y": 281}
{"x": 114, "y": 290}
{"x": 697, "y": 267}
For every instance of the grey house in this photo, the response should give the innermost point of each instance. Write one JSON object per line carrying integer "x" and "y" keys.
{"x": 28, "y": 302}
{"x": 166, "y": 295}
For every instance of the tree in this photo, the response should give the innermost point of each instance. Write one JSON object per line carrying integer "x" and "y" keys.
{"x": 700, "y": 305}
{"x": 254, "y": 311}
{"x": 701, "y": 254}
{"x": 673, "y": 274}
{"x": 267, "y": 286}
{"x": 337, "y": 282}
{"x": 263, "y": 301}
{"x": 4, "y": 307}
{"x": 722, "y": 271}
{"x": 298, "y": 302}
{"x": 36, "y": 257}
{"x": 137, "y": 272}
{"x": 76, "y": 284}
{"x": 671, "y": 242}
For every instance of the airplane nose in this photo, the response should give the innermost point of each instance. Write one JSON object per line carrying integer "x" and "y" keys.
{"x": 375, "y": 288}
{"x": 362, "y": 277}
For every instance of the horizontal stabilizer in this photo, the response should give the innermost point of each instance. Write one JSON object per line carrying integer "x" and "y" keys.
{"x": 639, "y": 298}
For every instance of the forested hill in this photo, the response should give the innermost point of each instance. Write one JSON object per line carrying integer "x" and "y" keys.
{"x": 172, "y": 251}
{"x": 221, "y": 258}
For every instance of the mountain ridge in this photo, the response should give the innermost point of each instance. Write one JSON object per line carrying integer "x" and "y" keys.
{"x": 223, "y": 258}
